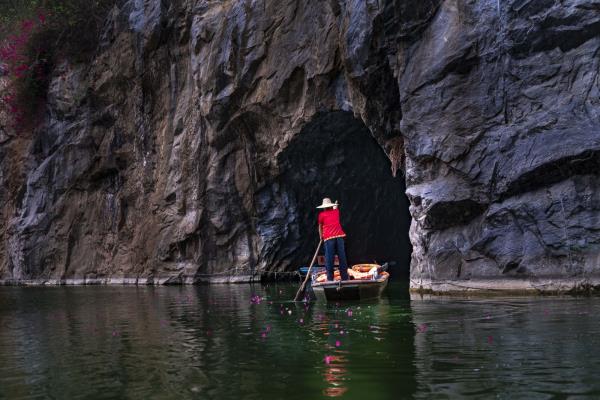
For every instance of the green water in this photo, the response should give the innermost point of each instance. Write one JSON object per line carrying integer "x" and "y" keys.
{"x": 213, "y": 342}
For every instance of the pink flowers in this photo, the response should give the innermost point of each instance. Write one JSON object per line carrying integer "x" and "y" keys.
{"x": 265, "y": 332}
{"x": 27, "y": 25}
{"x": 328, "y": 359}
{"x": 22, "y": 68}
{"x": 25, "y": 68}
{"x": 338, "y": 343}
{"x": 255, "y": 299}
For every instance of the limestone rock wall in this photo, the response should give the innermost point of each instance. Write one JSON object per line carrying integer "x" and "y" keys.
{"x": 500, "y": 105}
{"x": 161, "y": 160}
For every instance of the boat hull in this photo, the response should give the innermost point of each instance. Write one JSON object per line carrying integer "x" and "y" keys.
{"x": 349, "y": 290}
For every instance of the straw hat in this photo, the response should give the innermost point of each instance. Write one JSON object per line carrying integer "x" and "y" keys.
{"x": 327, "y": 203}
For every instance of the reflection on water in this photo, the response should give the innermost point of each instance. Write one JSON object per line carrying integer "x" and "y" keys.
{"x": 507, "y": 348}
{"x": 230, "y": 341}
{"x": 244, "y": 341}
{"x": 335, "y": 375}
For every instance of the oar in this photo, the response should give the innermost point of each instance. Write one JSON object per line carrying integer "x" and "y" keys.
{"x": 303, "y": 286}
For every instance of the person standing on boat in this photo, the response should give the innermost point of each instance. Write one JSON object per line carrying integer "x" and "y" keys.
{"x": 332, "y": 234}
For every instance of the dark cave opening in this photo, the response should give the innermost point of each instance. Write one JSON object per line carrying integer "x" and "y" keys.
{"x": 336, "y": 156}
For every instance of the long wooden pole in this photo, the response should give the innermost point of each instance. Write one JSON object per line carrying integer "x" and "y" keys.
{"x": 303, "y": 286}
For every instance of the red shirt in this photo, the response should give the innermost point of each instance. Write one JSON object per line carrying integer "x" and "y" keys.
{"x": 330, "y": 220}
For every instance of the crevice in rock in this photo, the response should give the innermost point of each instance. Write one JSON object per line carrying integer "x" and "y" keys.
{"x": 553, "y": 31}
{"x": 443, "y": 215}
{"x": 406, "y": 19}
{"x": 547, "y": 174}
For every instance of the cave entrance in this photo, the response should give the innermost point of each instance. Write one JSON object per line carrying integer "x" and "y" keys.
{"x": 336, "y": 156}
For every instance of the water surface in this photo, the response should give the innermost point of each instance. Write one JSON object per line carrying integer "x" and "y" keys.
{"x": 220, "y": 342}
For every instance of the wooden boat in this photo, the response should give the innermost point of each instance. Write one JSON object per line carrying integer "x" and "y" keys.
{"x": 302, "y": 271}
{"x": 353, "y": 289}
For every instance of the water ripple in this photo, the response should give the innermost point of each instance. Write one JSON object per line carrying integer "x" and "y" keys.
{"x": 253, "y": 342}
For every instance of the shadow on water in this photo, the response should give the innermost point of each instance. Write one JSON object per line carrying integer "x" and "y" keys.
{"x": 252, "y": 342}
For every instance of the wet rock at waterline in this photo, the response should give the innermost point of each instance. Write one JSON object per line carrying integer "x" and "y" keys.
{"x": 197, "y": 142}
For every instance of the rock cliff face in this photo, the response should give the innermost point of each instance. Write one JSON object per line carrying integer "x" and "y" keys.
{"x": 198, "y": 141}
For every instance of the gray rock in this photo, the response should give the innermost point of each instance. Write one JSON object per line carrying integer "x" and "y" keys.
{"x": 196, "y": 143}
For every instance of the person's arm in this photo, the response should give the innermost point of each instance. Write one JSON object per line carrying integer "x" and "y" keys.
{"x": 320, "y": 227}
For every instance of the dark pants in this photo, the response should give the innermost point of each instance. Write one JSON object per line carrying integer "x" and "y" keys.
{"x": 330, "y": 250}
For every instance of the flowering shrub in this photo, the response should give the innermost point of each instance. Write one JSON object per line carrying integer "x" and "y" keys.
{"x": 33, "y": 40}
{"x": 25, "y": 71}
